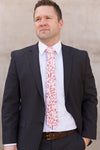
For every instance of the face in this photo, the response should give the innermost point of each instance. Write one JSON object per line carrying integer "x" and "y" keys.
{"x": 46, "y": 24}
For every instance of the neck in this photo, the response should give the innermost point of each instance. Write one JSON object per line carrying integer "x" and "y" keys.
{"x": 50, "y": 43}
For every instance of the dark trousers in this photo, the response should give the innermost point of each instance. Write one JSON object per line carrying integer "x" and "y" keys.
{"x": 70, "y": 142}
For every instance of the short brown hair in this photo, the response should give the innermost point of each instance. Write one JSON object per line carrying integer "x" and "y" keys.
{"x": 49, "y": 3}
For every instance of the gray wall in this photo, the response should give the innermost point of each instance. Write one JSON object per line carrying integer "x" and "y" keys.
{"x": 81, "y": 29}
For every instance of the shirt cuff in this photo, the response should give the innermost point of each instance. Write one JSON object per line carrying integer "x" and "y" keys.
{"x": 10, "y": 144}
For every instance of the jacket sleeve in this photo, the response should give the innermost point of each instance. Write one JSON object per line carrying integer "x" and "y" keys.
{"x": 11, "y": 105}
{"x": 89, "y": 106}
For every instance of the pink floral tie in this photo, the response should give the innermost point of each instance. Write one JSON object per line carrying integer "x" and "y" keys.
{"x": 51, "y": 97}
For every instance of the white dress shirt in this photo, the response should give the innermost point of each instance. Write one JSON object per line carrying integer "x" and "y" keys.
{"x": 66, "y": 121}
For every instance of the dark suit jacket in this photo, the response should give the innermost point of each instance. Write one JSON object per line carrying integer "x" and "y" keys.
{"x": 23, "y": 108}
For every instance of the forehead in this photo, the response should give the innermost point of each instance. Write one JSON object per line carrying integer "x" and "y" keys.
{"x": 45, "y": 11}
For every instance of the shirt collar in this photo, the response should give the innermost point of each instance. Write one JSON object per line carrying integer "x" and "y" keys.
{"x": 43, "y": 47}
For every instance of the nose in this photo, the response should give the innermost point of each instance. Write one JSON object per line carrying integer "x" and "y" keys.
{"x": 43, "y": 22}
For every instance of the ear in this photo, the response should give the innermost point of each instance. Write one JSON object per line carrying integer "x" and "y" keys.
{"x": 61, "y": 23}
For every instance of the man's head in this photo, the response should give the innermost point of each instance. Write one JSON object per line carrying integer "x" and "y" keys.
{"x": 48, "y": 21}
{"x": 49, "y": 3}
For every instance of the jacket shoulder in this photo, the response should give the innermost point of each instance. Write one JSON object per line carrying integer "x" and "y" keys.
{"x": 74, "y": 51}
{"x": 22, "y": 51}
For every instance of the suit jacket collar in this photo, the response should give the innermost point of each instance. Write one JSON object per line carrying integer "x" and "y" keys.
{"x": 67, "y": 62}
{"x": 35, "y": 67}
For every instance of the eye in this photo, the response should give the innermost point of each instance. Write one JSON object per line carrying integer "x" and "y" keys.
{"x": 48, "y": 18}
{"x": 37, "y": 19}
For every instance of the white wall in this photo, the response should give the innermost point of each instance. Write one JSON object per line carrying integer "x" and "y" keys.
{"x": 81, "y": 30}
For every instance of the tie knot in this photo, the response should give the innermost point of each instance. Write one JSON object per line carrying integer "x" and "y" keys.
{"x": 50, "y": 50}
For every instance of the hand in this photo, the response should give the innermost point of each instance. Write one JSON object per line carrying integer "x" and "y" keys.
{"x": 86, "y": 140}
{"x": 10, "y": 147}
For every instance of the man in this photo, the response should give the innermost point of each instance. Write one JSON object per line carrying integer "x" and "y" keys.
{"x": 50, "y": 99}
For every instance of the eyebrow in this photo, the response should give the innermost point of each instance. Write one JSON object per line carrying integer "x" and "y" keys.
{"x": 44, "y": 16}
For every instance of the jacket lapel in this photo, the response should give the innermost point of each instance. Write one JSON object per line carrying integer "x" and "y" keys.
{"x": 35, "y": 67}
{"x": 67, "y": 62}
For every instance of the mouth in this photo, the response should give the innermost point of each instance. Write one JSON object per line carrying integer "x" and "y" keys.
{"x": 44, "y": 30}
